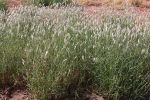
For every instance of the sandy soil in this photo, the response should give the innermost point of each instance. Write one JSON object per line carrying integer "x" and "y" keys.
{"x": 13, "y": 3}
{"x": 15, "y": 95}
{"x": 23, "y": 95}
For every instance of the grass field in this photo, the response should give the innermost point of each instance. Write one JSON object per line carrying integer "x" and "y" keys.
{"x": 65, "y": 52}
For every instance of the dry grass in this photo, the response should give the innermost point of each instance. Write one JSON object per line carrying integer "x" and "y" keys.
{"x": 141, "y": 3}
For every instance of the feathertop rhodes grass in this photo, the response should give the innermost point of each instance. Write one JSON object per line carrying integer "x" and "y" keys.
{"x": 65, "y": 52}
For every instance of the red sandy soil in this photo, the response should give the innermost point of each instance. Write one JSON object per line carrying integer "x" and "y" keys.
{"x": 13, "y": 3}
{"x": 23, "y": 95}
{"x": 16, "y": 95}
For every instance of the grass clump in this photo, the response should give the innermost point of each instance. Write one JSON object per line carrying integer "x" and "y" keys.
{"x": 48, "y": 2}
{"x": 2, "y": 4}
{"x": 65, "y": 52}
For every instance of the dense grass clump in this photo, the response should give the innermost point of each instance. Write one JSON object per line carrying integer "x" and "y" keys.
{"x": 57, "y": 52}
{"x": 48, "y": 2}
{"x": 2, "y": 4}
